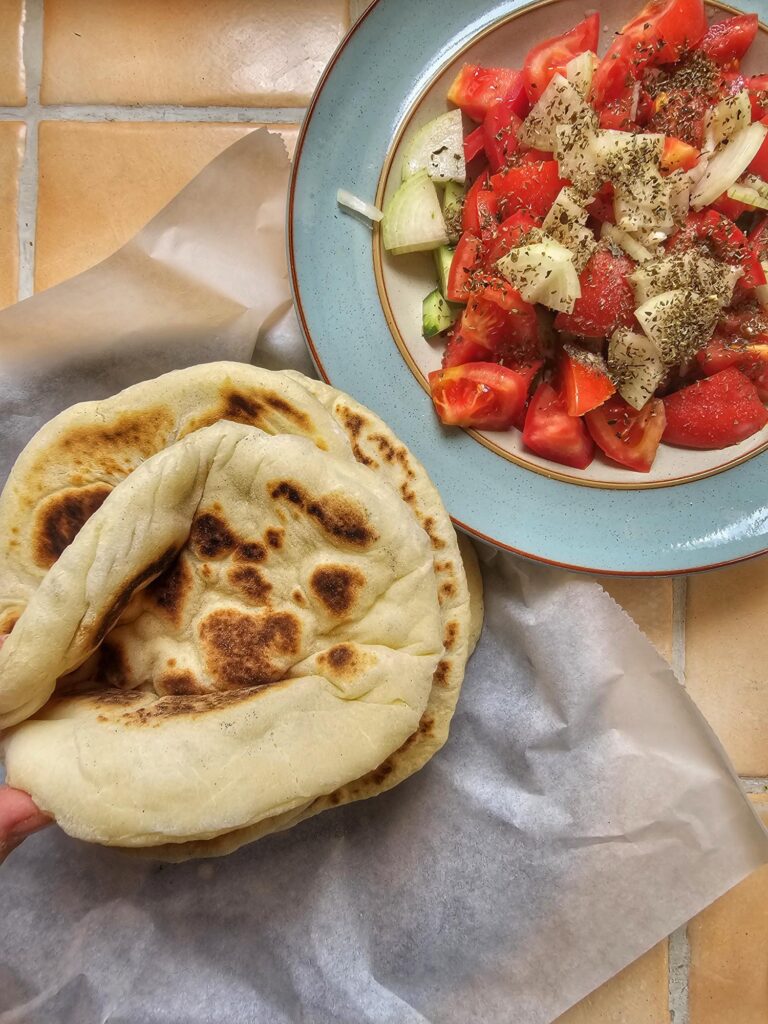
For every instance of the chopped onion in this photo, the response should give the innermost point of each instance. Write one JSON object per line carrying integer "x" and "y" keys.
{"x": 637, "y": 366}
{"x": 351, "y": 202}
{"x": 438, "y": 148}
{"x": 543, "y": 272}
{"x": 747, "y": 195}
{"x": 692, "y": 270}
{"x": 728, "y": 164}
{"x": 634, "y": 249}
{"x": 762, "y": 289}
{"x": 679, "y": 322}
{"x": 635, "y": 101}
{"x": 559, "y": 104}
{"x": 730, "y": 116}
{"x": 413, "y": 220}
{"x": 579, "y": 71}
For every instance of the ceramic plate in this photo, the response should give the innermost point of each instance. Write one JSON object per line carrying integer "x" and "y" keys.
{"x": 361, "y": 313}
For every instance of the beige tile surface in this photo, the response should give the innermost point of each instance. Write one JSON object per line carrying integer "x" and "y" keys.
{"x": 727, "y": 659}
{"x": 728, "y": 981}
{"x": 12, "y": 136}
{"x": 100, "y": 182}
{"x": 265, "y": 52}
{"x": 637, "y": 995}
{"x": 12, "y": 88}
{"x": 649, "y": 602}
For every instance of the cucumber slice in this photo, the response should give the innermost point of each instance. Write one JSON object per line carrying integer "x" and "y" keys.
{"x": 438, "y": 149}
{"x": 413, "y": 220}
{"x": 679, "y": 322}
{"x": 760, "y": 186}
{"x": 543, "y": 272}
{"x": 453, "y": 208}
{"x": 579, "y": 71}
{"x": 443, "y": 260}
{"x": 437, "y": 314}
{"x": 559, "y": 104}
{"x": 727, "y": 164}
{"x": 635, "y": 365}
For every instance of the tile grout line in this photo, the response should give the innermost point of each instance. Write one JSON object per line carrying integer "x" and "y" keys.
{"x": 27, "y": 204}
{"x": 158, "y": 112}
{"x": 679, "y": 951}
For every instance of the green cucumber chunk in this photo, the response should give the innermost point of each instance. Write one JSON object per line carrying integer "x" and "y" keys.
{"x": 443, "y": 260}
{"x": 437, "y": 314}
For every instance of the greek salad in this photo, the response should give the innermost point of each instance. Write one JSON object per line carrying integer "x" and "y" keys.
{"x": 600, "y": 234}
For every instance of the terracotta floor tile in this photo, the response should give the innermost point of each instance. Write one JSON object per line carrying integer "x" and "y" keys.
{"x": 649, "y": 602}
{"x": 728, "y": 982}
{"x": 12, "y": 86}
{"x": 727, "y": 659}
{"x": 218, "y": 52}
{"x": 637, "y": 995}
{"x": 100, "y": 183}
{"x": 12, "y": 135}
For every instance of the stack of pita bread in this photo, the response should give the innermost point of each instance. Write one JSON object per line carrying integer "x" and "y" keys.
{"x": 234, "y": 600}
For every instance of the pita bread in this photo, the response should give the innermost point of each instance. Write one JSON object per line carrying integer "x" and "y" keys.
{"x": 94, "y": 445}
{"x": 301, "y": 668}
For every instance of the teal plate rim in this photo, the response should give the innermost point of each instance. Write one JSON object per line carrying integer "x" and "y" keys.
{"x": 355, "y": 112}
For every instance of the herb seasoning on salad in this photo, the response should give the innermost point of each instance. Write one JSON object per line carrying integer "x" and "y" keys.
{"x": 601, "y": 240}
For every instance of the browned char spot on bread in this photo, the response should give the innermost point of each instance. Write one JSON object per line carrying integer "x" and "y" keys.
{"x": 110, "y": 617}
{"x": 243, "y": 649}
{"x": 342, "y": 518}
{"x": 60, "y": 519}
{"x": 250, "y": 583}
{"x": 210, "y": 537}
{"x": 337, "y": 587}
{"x": 168, "y": 592}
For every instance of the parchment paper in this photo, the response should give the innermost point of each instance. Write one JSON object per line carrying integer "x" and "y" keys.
{"x": 581, "y": 810}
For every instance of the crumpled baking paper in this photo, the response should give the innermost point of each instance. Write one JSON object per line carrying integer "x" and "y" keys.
{"x": 581, "y": 810}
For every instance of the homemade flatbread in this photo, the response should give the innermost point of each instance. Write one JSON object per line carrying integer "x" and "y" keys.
{"x": 72, "y": 464}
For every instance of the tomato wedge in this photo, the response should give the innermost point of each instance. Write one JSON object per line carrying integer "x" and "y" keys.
{"x": 466, "y": 260}
{"x": 715, "y": 412}
{"x": 481, "y": 395}
{"x": 660, "y": 34}
{"x": 474, "y": 89}
{"x": 607, "y": 298}
{"x": 480, "y": 206}
{"x": 759, "y": 165}
{"x": 509, "y": 235}
{"x": 500, "y": 129}
{"x": 459, "y": 350}
{"x": 628, "y": 436}
{"x": 584, "y": 382}
{"x": 751, "y": 357}
{"x": 678, "y": 155}
{"x": 531, "y": 187}
{"x": 716, "y": 232}
{"x": 551, "y": 433}
{"x": 727, "y": 41}
{"x": 473, "y": 144}
{"x": 553, "y": 54}
{"x": 486, "y": 323}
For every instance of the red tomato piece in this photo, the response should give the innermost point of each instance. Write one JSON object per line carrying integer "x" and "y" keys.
{"x": 459, "y": 350}
{"x": 480, "y": 206}
{"x": 728, "y": 41}
{"x": 531, "y": 187}
{"x": 500, "y": 129}
{"x": 731, "y": 208}
{"x": 473, "y": 144}
{"x": 617, "y": 114}
{"x": 551, "y": 433}
{"x": 607, "y": 298}
{"x": 759, "y": 165}
{"x": 758, "y": 238}
{"x": 496, "y": 289}
{"x": 584, "y": 382}
{"x": 660, "y": 34}
{"x": 681, "y": 114}
{"x": 718, "y": 234}
{"x": 678, "y": 155}
{"x": 485, "y": 322}
{"x": 466, "y": 260}
{"x": 551, "y": 55}
{"x": 474, "y": 89}
{"x": 758, "y": 96}
{"x": 481, "y": 395}
{"x": 628, "y": 436}
{"x": 601, "y": 207}
{"x": 751, "y": 357}
{"x": 509, "y": 235}
{"x": 715, "y": 412}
